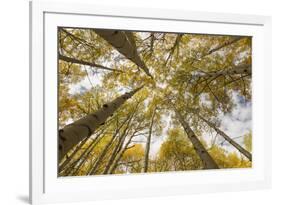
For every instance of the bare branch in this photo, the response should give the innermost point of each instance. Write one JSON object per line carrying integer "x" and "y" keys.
{"x": 81, "y": 62}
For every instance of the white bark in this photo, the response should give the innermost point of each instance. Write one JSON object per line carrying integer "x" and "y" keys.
{"x": 73, "y": 133}
{"x": 207, "y": 160}
{"x": 227, "y": 138}
{"x": 124, "y": 42}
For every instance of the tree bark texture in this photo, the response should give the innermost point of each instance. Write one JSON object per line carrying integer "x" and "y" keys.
{"x": 208, "y": 161}
{"x": 227, "y": 138}
{"x": 69, "y": 158}
{"x": 124, "y": 42}
{"x": 73, "y": 133}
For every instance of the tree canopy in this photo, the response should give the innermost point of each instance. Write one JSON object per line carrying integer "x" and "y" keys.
{"x": 132, "y": 102}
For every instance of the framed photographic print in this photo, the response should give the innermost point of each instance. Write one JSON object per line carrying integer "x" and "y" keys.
{"x": 129, "y": 102}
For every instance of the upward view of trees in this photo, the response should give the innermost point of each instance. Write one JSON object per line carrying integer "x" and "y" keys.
{"x": 139, "y": 102}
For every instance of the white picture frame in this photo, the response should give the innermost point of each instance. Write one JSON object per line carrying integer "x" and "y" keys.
{"x": 46, "y": 187}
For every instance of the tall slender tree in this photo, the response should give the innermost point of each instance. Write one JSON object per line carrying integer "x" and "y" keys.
{"x": 207, "y": 160}
{"x": 124, "y": 42}
{"x": 120, "y": 154}
{"x": 110, "y": 143}
{"x": 69, "y": 158}
{"x": 73, "y": 133}
{"x": 226, "y": 137}
{"x": 199, "y": 71}
{"x": 120, "y": 141}
{"x": 148, "y": 142}
{"x": 86, "y": 153}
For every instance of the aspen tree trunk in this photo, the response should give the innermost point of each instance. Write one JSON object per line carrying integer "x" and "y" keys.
{"x": 124, "y": 42}
{"x": 66, "y": 161}
{"x": 73, "y": 133}
{"x": 106, "y": 148}
{"x": 147, "y": 147}
{"x": 120, "y": 143}
{"x": 101, "y": 157}
{"x": 208, "y": 161}
{"x": 118, "y": 146}
{"x": 73, "y": 168}
{"x": 227, "y": 138}
{"x": 115, "y": 164}
{"x": 114, "y": 153}
{"x": 84, "y": 156}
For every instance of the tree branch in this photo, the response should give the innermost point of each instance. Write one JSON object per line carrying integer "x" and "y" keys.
{"x": 81, "y": 62}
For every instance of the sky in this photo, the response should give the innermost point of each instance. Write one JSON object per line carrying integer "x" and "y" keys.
{"x": 239, "y": 121}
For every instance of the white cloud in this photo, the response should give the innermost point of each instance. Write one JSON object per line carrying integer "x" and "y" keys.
{"x": 239, "y": 121}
